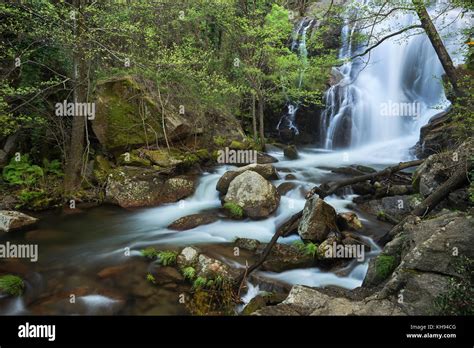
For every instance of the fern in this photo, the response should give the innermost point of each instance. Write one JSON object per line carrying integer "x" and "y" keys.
{"x": 149, "y": 253}
{"x": 189, "y": 273}
{"x": 167, "y": 257}
{"x": 199, "y": 283}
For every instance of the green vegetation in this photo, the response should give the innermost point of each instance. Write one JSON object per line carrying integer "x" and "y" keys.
{"x": 235, "y": 211}
{"x": 167, "y": 257}
{"x": 150, "y": 278}
{"x": 384, "y": 266}
{"x": 149, "y": 253}
{"x": 189, "y": 273}
{"x": 11, "y": 285}
{"x": 459, "y": 298}
{"x": 308, "y": 248}
{"x": 199, "y": 282}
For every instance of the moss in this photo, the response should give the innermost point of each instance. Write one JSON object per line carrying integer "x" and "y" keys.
{"x": 237, "y": 145}
{"x": 381, "y": 214}
{"x": 384, "y": 266}
{"x": 163, "y": 158}
{"x": 133, "y": 159}
{"x": 235, "y": 211}
{"x": 101, "y": 169}
{"x": 220, "y": 141}
{"x": 203, "y": 154}
{"x": 11, "y": 285}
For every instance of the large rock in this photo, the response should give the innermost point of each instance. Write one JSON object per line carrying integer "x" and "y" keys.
{"x": 284, "y": 257}
{"x": 258, "y": 197}
{"x": 139, "y": 187}
{"x": 192, "y": 221}
{"x": 14, "y": 220}
{"x": 303, "y": 300}
{"x": 266, "y": 170}
{"x": 291, "y": 152}
{"x": 118, "y": 122}
{"x": 394, "y": 206}
{"x": 319, "y": 218}
{"x": 427, "y": 255}
{"x": 188, "y": 257}
{"x": 438, "y": 168}
{"x": 348, "y": 221}
{"x": 210, "y": 268}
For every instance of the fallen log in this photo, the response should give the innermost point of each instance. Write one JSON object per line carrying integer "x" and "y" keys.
{"x": 287, "y": 226}
{"x": 328, "y": 189}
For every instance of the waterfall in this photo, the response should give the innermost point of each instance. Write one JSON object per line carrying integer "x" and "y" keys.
{"x": 298, "y": 45}
{"x": 392, "y": 93}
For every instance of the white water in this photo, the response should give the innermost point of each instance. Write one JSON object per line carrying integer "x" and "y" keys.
{"x": 298, "y": 45}
{"x": 402, "y": 70}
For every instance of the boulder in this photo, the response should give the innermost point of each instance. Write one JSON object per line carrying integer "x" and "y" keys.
{"x": 318, "y": 220}
{"x": 210, "y": 268}
{"x": 258, "y": 197}
{"x": 437, "y": 168}
{"x": 188, "y": 257}
{"x": 139, "y": 187}
{"x": 192, "y": 221}
{"x": 285, "y": 187}
{"x": 284, "y": 257}
{"x": 119, "y": 105}
{"x": 348, "y": 221}
{"x": 264, "y": 158}
{"x": 247, "y": 244}
{"x": 291, "y": 152}
{"x": 265, "y": 170}
{"x": 396, "y": 207}
{"x": 13, "y": 221}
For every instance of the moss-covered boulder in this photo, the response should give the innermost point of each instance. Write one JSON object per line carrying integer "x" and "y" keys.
{"x": 139, "y": 187}
{"x": 128, "y": 116}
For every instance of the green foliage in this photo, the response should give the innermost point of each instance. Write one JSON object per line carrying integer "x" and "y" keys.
{"x": 220, "y": 141}
{"x": 199, "y": 283}
{"x": 167, "y": 257}
{"x": 11, "y": 285}
{"x": 308, "y": 248}
{"x": 22, "y": 172}
{"x": 235, "y": 210}
{"x": 458, "y": 299}
{"x": 149, "y": 253}
{"x": 189, "y": 273}
{"x": 150, "y": 278}
{"x": 384, "y": 266}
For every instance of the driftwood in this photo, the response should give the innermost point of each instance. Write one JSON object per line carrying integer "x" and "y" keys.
{"x": 328, "y": 189}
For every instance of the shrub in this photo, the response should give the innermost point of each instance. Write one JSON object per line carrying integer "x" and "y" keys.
{"x": 22, "y": 172}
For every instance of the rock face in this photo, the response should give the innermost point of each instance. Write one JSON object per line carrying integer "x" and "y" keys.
{"x": 192, "y": 221}
{"x": 118, "y": 113}
{"x": 139, "y": 187}
{"x": 437, "y": 168}
{"x": 436, "y": 136}
{"x": 265, "y": 170}
{"x": 307, "y": 301}
{"x": 257, "y": 197}
{"x": 14, "y": 220}
{"x": 318, "y": 220}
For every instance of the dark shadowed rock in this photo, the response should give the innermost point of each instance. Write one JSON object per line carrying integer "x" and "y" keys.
{"x": 192, "y": 221}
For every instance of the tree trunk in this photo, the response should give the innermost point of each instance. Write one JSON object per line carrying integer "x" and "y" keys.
{"x": 74, "y": 160}
{"x": 260, "y": 120}
{"x": 438, "y": 45}
{"x": 254, "y": 119}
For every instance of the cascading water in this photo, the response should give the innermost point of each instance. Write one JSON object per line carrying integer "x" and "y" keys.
{"x": 392, "y": 92}
{"x": 298, "y": 45}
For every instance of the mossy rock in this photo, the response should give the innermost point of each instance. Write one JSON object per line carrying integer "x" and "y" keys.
{"x": 102, "y": 169}
{"x": 238, "y": 145}
{"x": 163, "y": 158}
{"x": 127, "y": 117}
{"x": 133, "y": 159}
{"x": 234, "y": 210}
